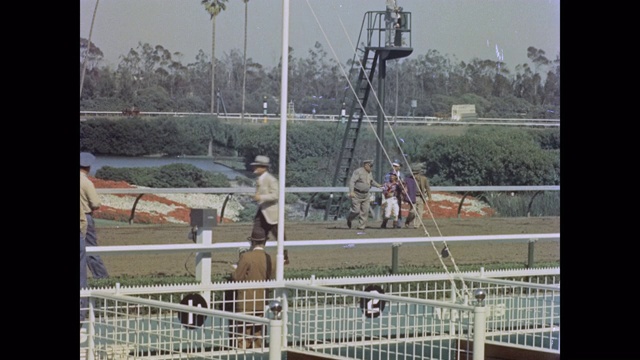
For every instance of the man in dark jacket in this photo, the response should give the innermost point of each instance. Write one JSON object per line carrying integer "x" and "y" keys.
{"x": 411, "y": 189}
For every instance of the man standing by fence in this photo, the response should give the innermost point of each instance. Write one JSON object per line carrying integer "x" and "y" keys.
{"x": 90, "y": 202}
{"x": 253, "y": 265}
{"x": 423, "y": 193}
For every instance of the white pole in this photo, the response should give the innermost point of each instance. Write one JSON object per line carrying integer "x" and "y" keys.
{"x": 283, "y": 137}
{"x": 479, "y": 329}
{"x": 275, "y": 340}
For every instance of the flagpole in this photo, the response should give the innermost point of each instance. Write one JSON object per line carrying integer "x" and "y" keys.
{"x": 283, "y": 138}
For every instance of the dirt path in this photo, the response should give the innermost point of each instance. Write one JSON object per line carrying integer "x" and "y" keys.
{"x": 326, "y": 257}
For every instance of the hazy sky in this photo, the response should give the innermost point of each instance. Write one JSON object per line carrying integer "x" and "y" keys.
{"x": 461, "y": 28}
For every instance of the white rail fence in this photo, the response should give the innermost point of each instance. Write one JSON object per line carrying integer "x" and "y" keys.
{"x": 420, "y": 316}
{"x": 407, "y": 120}
{"x": 428, "y": 316}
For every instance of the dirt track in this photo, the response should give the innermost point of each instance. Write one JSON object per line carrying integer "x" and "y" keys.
{"x": 326, "y": 257}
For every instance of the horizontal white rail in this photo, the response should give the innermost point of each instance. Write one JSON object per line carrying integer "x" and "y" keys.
{"x": 429, "y": 120}
{"x": 176, "y": 248}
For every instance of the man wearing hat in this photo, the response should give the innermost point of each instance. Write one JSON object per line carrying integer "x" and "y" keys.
{"x": 423, "y": 192}
{"x": 90, "y": 201}
{"x": 411, "y": 189}
{"x": 395, "y": 169}
{"x": 267, "y": 195}
{"x": 359, "y": 185}
{"x": 253, "y": 265}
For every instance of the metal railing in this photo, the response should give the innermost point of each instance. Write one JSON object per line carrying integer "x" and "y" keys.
{"x": 418, "y": 316}
{"x": 406, "y": 120}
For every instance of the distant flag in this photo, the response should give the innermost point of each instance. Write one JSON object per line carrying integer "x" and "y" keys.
{"x": 499, "y": 53}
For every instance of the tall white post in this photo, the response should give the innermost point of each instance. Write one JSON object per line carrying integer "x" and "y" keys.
{"x": 283, "y": 137}
{"x": 203, "y": 259}
{"x": 275, "y": 340}
{"x": 479, "y": 329}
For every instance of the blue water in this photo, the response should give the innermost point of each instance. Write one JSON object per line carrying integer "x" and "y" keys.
{"x": 124, "y": 162}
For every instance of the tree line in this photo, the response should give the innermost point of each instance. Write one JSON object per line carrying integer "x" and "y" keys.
{"x": 153, "y": 78}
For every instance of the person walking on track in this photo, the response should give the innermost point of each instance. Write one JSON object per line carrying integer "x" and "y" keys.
{"x": 267, "y": 195}
{"x": 90, "y": 203}
{"x": 359, "y": 186}
{"x": 423, "y": 193}
{"x": 391, "y": 191}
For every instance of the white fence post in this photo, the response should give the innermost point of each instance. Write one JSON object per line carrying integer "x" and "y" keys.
{"x": 92, "y": 332}
{"x": 202, "y": 222}
{"x": 275, "y": 340}
{"x": 479, "y": 329}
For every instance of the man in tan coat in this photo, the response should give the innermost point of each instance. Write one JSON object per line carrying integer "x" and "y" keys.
{"x": 359, "y": 185}
{"x": 254, "y": 265}
{"x": 267, "y": 195}
{"x": 424, "y": 191}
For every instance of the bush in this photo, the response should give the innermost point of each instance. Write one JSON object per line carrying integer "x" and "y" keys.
{"x": 528, "y": 203}
{"x": 168, "y": 176}
{"x": 247, "y": 213}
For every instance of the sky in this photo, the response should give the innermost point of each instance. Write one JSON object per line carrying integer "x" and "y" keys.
{"x": 486, "y": 29}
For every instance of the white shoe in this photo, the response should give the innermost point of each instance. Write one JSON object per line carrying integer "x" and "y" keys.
{"x": 83, "y": 335}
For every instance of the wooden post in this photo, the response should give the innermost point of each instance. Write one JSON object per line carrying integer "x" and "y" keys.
{"x": 394, "y": 257}
{"x": 531, "y": 250}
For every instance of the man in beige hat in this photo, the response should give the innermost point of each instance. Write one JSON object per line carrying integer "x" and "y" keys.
{"x": 359, "y": 186}
{"x": 424, "y": 191}
{"x": 267, "y": 195}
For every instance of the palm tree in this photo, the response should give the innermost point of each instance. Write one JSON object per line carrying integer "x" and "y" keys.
{"x": 244, "y": 60}
{"x": 213, "y": 7}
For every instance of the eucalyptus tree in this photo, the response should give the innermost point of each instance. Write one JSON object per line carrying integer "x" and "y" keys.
{"x": 178, "y": 82}
{"x": 526, "y": 83}
{"x": 538, "y": 58}
{"x": 90, "y": 74}
{"x": 213, "y": 7}
{"x": 431, "y": 71}
{"x": 502, "y": 83}
{"x": 552, "y": 87}
{"x": 230, "y": 78}
{"x": 199, "y": 77}
{"x": 314, "y": 81}
{"x": 128, "y": 74}
{"x": 481, "y": 74}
